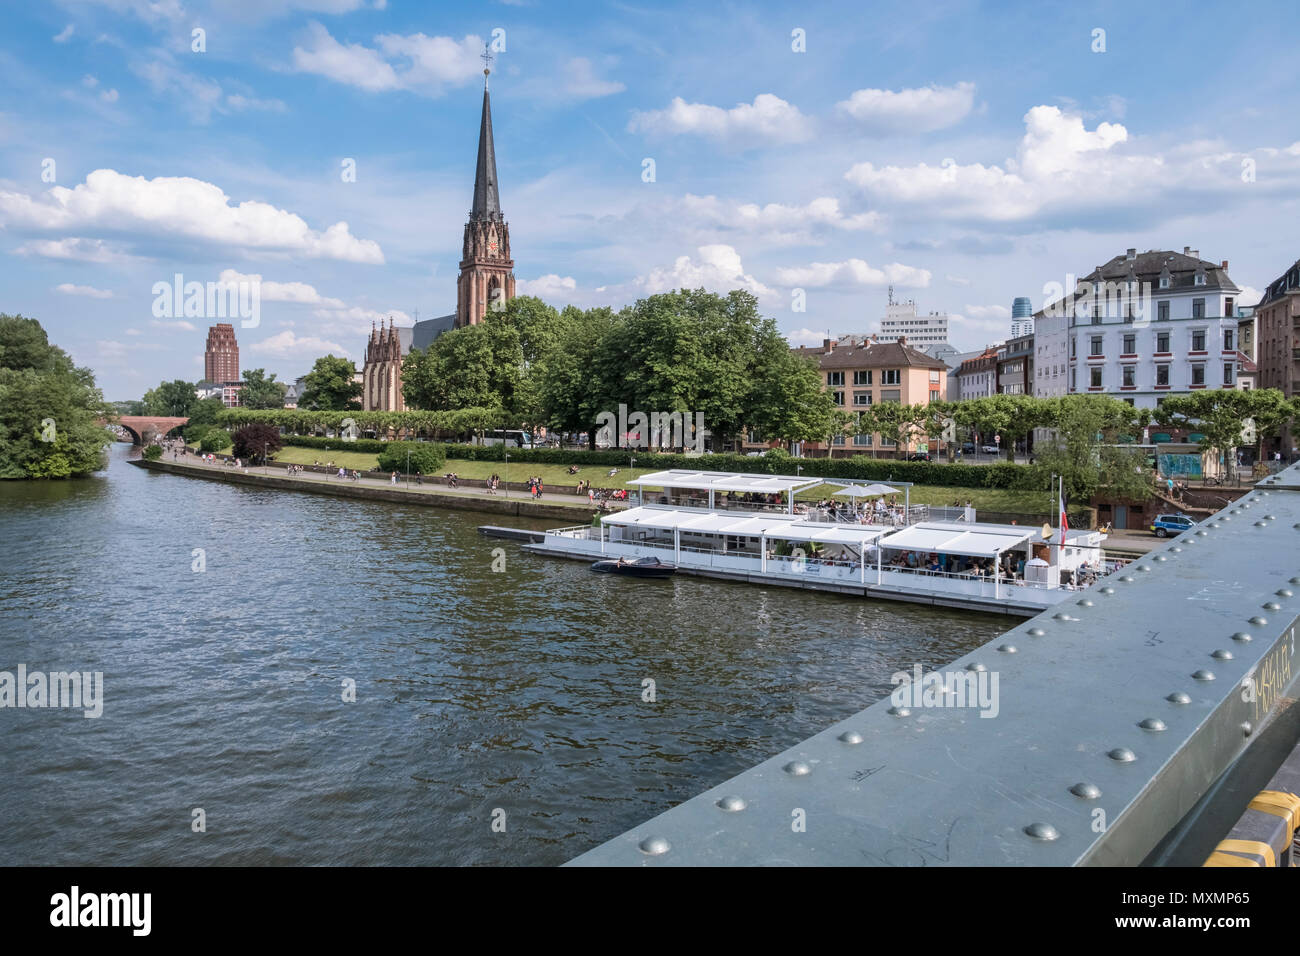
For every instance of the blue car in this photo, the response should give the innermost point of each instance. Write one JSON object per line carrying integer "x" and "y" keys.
{"x": 1165, "y": 525}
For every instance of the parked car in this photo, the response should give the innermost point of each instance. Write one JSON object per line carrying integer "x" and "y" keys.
{"x": 1165, "y": 525}
{"x": 968, "y": 448}
{"x": 919, "y": 456}
{"x": 990, "y": 449}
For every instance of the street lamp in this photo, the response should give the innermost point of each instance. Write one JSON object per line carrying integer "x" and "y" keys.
{"x": 505, "y": 479}
{"x": 408, "y": 468}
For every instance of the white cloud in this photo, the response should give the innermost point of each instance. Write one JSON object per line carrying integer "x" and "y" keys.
{"x": 550, "y": 286}
{"x": 1063, "y": 167}
{"x": 916, "y": 110}
{"x": 133, "y": 332}
{"x": 769, "y": 119}
{"x": 200, "y": 96}
{"x": 1249, "y": 296}
{"x": 717, "y": 268}
{"x": 415, "y": 62}
{"x": 853, "y": 273}
{"x": 580, "y": 80}
{"x": 989, "y": 311}
{"x": 296, "y": 292}
{"x": 89, "y": 82}
{"x": 239, "y": 103}
{"x": 67, "y": 288}
{"x": 176, "y": 325}
{"x": 288, "y": 345}
{"x": 81, "y": 250}
{"x": 65, "y": 34}
{"x": 183, "y": 207}
{"x": 957, "y": 280}
{"x": 806, "y": 337}
{"x": 108, "y": 96}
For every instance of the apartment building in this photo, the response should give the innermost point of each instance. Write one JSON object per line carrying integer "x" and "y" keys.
{"x": 1277, "y": 339}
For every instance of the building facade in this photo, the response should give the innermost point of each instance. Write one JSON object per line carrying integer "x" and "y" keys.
{"x": 1051, "y": 354}
{"x": 1016, "y": 366}
{"x": 921, "y": 331}
{"x": 867, "y": 372}
{"x": 381, "y": 376}
{"x": 221, "y": 355}
{"x": 978, "y": 376}
{"x": 1022, "y": 317}
{"x": 1277, "y": 340}
{"x": 1148, "y": 325}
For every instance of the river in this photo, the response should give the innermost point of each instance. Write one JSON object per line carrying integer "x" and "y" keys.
{"x": 499, "y": 715}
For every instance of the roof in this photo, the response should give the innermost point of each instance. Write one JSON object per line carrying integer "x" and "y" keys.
{"x": 422, "y": 334}
{"x": 725, "y": 481}
{"x": 1286, "y": 284}
{"x": 1147, "y": 267}
{"x": 980, "y": 541}
{"x": 1246, "y": 363}
{"x": 872, "y": 355}
{"x": 487, "y": 204}
{"x": 750, "y": 524}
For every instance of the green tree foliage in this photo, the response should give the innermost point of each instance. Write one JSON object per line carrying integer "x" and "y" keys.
{"x": 787, "y": 401}
{"x": 205, "y": 411}
{"x": 462, "y": 422}
{"x": 426, "y": 458}
{"x": 215, "y": 440}
{"x": 1085, "y": 449}
{"x": 329, "y": 385}
{"x": 173, "y": 399}
{"x": 254, "y": 440}
{"x": 152, "y": 453}
{"x": 1218, "y": 415}
{"x": 569, "y": 392}
{"x": 261, "y": 390}
{"x": 195, "y": 431}
{"x": 49, "y": 408}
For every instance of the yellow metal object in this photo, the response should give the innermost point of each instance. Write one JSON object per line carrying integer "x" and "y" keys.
{"x": 1249, "y": 847}
{"x": 1279, "y": 803}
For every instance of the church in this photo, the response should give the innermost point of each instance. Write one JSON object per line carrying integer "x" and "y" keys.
{"x": 485, "y": 283}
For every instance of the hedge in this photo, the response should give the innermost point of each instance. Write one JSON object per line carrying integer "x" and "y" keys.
{"x": 859, "y": 467}
{"x": 367, "y": 446}
{"x": 215, "y": 440}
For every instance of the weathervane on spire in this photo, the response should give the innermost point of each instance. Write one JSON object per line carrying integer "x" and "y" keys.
{"x": 486, "y": 57}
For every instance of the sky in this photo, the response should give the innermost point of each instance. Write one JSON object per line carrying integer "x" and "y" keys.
{"x": 812, "y": 153}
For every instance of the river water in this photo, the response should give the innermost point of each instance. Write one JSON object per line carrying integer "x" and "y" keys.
{"x": 513, "y": 696}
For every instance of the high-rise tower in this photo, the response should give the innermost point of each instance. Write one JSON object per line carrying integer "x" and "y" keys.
{"x": 487, "y": 278}
{"x": 221, "y": 356}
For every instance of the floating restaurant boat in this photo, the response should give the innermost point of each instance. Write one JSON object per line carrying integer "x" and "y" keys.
{"x": 1002, "y": 568}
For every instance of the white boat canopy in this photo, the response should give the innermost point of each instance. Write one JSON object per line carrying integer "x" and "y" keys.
{"x": 947, "y": 538}
{"x": 725, "y": 481}
{"x": 783, "y": 527}
{"x": 864, "y": 491}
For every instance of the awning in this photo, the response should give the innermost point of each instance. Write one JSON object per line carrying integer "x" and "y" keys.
{"x": 1160, "y": 437}
{"x": 945, "y": 538}
{"x": 864, "y": 491}
{"x": 724, "y": 481}
{"x": 782, "y": 527}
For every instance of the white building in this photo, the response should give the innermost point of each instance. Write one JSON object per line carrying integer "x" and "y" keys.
{"x": 1144, "y": 326}
{"x": 921, "y": 330}
{"x": 977, "y": 377}
{"x": 1051, "y": 355}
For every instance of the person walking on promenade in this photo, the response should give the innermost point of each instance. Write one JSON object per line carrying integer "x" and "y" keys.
{"x": 392, "y": 480}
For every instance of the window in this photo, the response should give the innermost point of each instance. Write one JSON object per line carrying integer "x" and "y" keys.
{"x": 861, "y": 398}
{"x": 1072, "y": 379}
{"x": 1096, "y": 315}
{"x": 1164, "y": 282}
{"x": 1095, "y": 345}
{"x": 1162, "y": 342}
{"x": 838, "y": 397}
{"x": 1198, "y": 308}
{"x": 934, "y": 394}
{"x": 891, "y": 376}
{"x": 887, "y": 442}
{"x": 1200, "y": 278}
{"x": 1162, "y": 311}
{"x": 834, "y": 378}
{"x": 1198, "y": 340}
{"x": 1198, "y": 374}
{"x": 891, "y": 395}
{"x": 1162, "y": 374}
{"x": 934, "y": 375}
{"x": 1072, "y": 348}
{"x": 1130, "y": 344}
{"x": 1095, "y": 381}
{"x": 862, "y": 440}
{"x": 1130, "y": 402}
{"x": 1130, "y": 376}
{"x": 1227, "y": 340}
{"x": 1227, "y": 373}
{"x": 837, "y": 440}
{"x": 862, "y": 378}
{"x": 1227, "y": 307}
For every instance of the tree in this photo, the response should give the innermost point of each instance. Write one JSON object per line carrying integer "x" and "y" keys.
{"x": 787, "y": 401}
{"x": 1220, "y": 414}
{"x": 50, "y": 411}
{"x": 205, "y": 411}
{"x": 426, "y": 458}
{"x": 261, "y": 390}
{"x": 570, "y": 391}
{"x": 255, "y": 441}
{"x": 1084, "y": 449}
{"x": 329, "y": 386}
{"x": 173, "y": 399}
{"x": 214, "y": 440}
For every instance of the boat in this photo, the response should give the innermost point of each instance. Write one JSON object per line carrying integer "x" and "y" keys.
{"x": 650, "y": 567}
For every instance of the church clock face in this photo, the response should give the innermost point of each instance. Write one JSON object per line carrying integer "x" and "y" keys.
{"x": 492, "y": 245}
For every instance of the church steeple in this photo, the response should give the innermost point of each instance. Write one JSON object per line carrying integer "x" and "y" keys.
{"x": 487, "y": 204}
{"x": 487, "y": 279}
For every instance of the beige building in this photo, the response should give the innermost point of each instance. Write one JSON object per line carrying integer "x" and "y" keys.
{"x": 862, "y": 372}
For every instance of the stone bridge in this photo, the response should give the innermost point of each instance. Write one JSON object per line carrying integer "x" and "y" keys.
{"x": 140, "y": 425}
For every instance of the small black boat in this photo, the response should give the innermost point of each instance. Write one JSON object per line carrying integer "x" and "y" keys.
{"x": 640, "y": 568}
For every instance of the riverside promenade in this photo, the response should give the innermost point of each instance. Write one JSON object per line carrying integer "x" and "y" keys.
{"x": 434, "y": 491}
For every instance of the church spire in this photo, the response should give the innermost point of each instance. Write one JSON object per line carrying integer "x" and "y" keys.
{"x": 487, "y": 204}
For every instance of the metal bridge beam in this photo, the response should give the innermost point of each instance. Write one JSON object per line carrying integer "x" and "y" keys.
{"x": 1116, "y": 711}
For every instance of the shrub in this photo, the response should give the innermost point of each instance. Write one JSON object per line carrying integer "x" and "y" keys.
{"x": 366, "y": 446}
{"x": 152, "y": 453}
{"x": 194, "y": 433}
{"x": 214, "y": 440}
{"x": 426, "y": 457}
{"x": 252, "y": 441}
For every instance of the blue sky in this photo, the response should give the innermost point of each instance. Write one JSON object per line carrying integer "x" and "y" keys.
{"x": 966, "y": 152}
